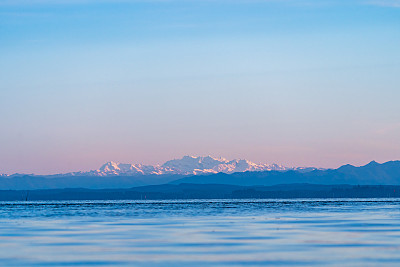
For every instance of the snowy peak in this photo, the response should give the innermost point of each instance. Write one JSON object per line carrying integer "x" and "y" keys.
{"x": 188, "y": 165}
{"x": 110, "y": 167}
{"x": 121, "y": 169}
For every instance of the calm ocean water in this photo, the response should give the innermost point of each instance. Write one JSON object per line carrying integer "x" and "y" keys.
{"x": 305, "y": 232}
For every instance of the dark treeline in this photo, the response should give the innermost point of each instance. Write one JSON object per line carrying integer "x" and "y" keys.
{"x": 206, "y": 191}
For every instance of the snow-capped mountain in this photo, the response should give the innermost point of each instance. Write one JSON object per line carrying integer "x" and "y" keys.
{"x": 199, "y": 165}
{"x": 112, "y": 168}
{"x": 185, "y": 166}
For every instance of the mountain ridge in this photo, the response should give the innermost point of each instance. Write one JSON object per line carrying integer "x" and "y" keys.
{"x": 187, "y": 165}
{"x": 387, "y": 173}
{"x": 370, "y": 174}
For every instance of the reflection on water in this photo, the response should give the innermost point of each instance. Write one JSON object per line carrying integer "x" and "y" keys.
{"x": 201, "y": 232}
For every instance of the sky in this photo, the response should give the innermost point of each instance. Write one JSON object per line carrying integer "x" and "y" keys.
{"x": 293, "y": 82}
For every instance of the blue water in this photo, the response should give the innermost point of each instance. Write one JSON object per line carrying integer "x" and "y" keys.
{"x": 346, "y": 232}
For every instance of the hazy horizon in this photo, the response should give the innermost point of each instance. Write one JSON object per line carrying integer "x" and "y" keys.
{"x": 297, "y": 83}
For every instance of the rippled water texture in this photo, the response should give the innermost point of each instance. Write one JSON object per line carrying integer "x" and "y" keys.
{"x": 221, "y": 232}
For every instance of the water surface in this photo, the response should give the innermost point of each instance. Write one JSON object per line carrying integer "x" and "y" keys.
{"x": 345, "y": 232}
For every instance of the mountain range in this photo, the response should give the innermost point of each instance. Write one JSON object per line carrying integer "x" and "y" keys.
{"x": 188, "y": 165}
{"x": 207, "y": 170}
{"x": 371, "y": 174}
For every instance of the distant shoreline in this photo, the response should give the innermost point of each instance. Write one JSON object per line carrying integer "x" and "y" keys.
{"x": 206, "y": 191}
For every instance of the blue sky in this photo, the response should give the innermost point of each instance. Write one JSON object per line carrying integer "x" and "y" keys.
{"x": 300, "y": 83}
